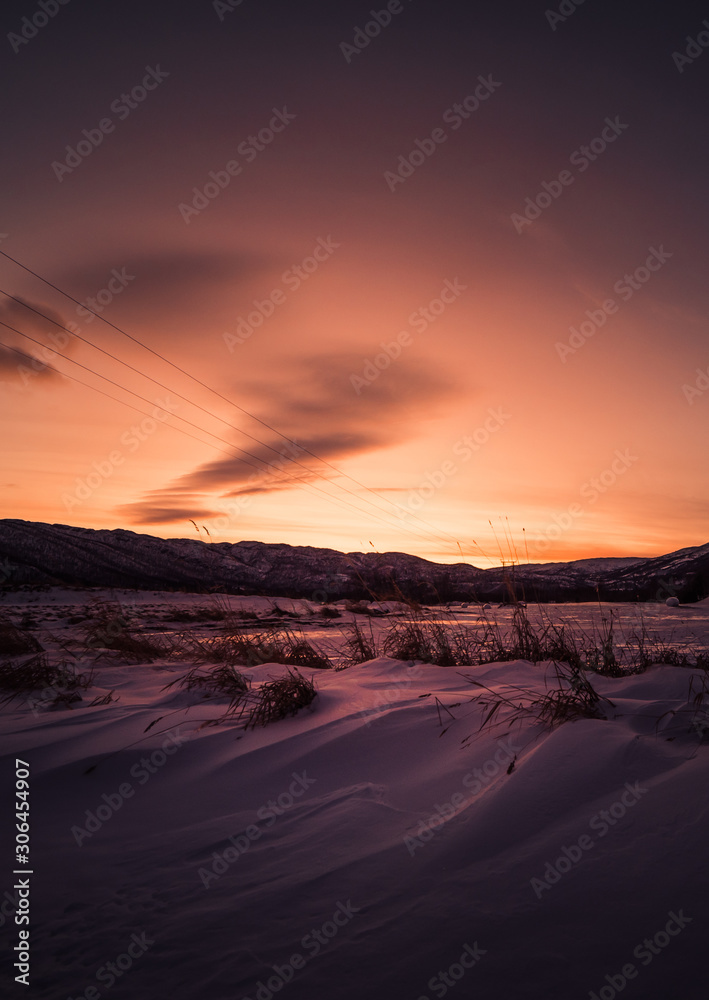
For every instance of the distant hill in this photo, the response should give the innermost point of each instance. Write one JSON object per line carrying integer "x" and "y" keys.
{"x": 36, "y": 553}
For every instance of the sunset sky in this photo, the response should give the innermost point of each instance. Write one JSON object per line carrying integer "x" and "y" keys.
{"x": 399, "y": 326}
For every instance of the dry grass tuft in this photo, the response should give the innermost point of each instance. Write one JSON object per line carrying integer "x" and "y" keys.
{"x": 274, "y": 700}
{"x": 490, "y": 641}
{"x": 37, "y": 674}
{"x": 428, "y": 641}
{"x": 271, "y": 701}
{"x": 108, "y": 627}
{"x": 224, "y": 679}
{"x": 358, "y": 647}
{"x": 458, "y": 645}
{"x": 279, "y": 645}
{"x": 571, "y": 697}
{"x": 15, "y": 641}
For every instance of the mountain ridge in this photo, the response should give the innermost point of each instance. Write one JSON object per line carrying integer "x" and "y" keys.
{"x": 36, "y": 553}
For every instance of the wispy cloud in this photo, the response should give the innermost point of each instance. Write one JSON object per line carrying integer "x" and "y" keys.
{"x": 21, "y": 360}
{"x": 311, "y": 401}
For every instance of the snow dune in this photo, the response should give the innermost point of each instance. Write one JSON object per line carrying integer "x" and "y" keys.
{"x": 358, "y": 849}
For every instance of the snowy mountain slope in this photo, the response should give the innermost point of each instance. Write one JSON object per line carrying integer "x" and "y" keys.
{"x": 35, "y": 553}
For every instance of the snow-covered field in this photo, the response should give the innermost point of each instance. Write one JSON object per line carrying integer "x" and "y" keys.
{"x": 377, "y": 843}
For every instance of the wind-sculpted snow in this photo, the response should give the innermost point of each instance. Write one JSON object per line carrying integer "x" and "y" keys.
{"x": 344, "y": 850}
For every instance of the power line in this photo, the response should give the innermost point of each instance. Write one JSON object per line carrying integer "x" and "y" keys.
{"x": 94, "y": 388}
{"x": 298, "y": 483}
{"x": 161, "y": 385}
{"x": 123, "y": 402}
{"x": 230, "y": 402}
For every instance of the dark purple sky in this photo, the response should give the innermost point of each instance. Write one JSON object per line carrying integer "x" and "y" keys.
{"x": 464, "y": 265}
